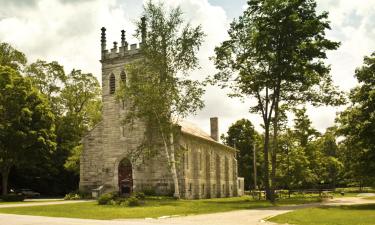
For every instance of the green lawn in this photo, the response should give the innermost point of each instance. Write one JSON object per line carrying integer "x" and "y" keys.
{"x": 154, "y": 207}
{"x": 340, "y": 215}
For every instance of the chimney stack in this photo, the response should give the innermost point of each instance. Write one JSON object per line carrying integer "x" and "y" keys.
{"x": 143, "y": 29}
{"x": 214, "y": 128}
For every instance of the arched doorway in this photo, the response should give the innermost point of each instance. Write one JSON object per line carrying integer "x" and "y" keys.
{"x": 125, "y": 177}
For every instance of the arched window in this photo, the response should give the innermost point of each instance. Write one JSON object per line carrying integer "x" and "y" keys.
{"x": 123, "y": 77}
{"x": 112, "y": 84}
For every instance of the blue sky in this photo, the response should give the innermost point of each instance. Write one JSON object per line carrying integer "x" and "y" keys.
{"x": 69, "y": 31}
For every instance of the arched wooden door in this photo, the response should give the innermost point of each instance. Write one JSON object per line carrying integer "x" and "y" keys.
{"x": 125, "y": 177}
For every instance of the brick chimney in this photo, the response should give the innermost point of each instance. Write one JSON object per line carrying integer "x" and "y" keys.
{"x": 214, "y": 128}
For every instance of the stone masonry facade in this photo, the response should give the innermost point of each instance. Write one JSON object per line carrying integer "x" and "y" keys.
{"x": 206, "y": 168}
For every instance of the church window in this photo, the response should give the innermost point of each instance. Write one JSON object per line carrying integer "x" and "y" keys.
{"x": 112, "y": 84}
{"x": 203, "y": 191}
{"x": 190, "y": 187}
{"x": 123, "y": 77}
{"x": 123, "y": 131}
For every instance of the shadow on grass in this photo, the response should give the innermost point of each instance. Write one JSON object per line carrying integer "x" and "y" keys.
{"x": 358, "y": 207}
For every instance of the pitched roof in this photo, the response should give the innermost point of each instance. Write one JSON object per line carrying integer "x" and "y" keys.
{"x": 192, "y": 129}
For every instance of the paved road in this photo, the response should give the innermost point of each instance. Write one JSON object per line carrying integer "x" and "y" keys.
{"x": 241, "y": 217}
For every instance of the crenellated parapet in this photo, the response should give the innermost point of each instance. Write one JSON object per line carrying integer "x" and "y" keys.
{"x": 124, "y": 49}
{"x": 117, "y": 51}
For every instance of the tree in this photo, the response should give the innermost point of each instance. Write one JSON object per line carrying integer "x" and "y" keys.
{"x": 242, "y": 136}
{"x": 26, "y": 123}
{"x": 357, "y": 125}
{"x": 76, "y": 103}
{"x": 49, "y": 78}
{"x": 11, "y": 57}
{"x": 275, "y": 51}
{"x": 160, "y": 92}
{"x": 81, "y": 107}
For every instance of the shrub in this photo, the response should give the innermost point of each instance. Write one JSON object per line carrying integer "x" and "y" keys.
{"x": 139, "y": 195}
{"x": 13, "y": 198}
{"x": 149, "y": 192}
{"x": 77, "y": 195}
{"x": 133, "y": 201}
{"x": 106, "y": 198}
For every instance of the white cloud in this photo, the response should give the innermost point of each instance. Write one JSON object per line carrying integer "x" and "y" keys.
{"x": 69, "y": 32}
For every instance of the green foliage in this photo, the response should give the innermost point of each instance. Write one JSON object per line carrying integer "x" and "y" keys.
{"x": 72, "y": 162}
{"x": 74, "y": 102}
{"x": 13, "y": 198}
{"x": 242, "y": 136}
{"x": 357, "y": 126}
{"x": 149, "y": 192}
{"x": 77, "y": 195}
{"x": 160, "y": 92}
{"x": 11, "y": 57}
{"x": 133, "y": 201}
{"x": 274, "y": 54}
{"x": 27, "y": 130}
{"x": 136, "y": 199}
{"x": 105, "y": 199}
{"x": 139, "y": 195}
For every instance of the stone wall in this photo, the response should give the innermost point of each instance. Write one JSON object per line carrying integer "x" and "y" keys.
{"x": 209, "y": 168}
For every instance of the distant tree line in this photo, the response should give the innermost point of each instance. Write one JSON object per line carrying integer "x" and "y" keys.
{"x": 343, "y": 156}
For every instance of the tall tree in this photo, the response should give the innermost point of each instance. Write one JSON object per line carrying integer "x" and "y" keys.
{"x": 49, "y": 78}
{"x": 11, "y": 57}
{"x": 160, "y": 92}
{"x": 357, "y": 125}
{"x": 275, "y": 51}
{"x": 81, "y": 107}
{"x": 26, "y": 123}
{"x": 242, "y": 136}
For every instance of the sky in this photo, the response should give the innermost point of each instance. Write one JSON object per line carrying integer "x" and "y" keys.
{"x": 68, "y": 31}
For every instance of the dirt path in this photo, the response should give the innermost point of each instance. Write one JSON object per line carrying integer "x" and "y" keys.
{"x": 241, "y": 217}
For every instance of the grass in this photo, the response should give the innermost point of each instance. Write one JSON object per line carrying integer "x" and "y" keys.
{"x": 370, "y": 198}
{"x": 339, "y": 215}
{"x": 154, "y": 207}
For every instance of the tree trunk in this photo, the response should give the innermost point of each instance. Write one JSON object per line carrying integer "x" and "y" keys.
{"x": 4, "y": 186}
{"x": 269, "y": 195}
{"x": 173, "y": 169}
{"x": 274, "y": 149}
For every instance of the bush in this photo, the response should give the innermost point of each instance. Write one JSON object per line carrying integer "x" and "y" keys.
{"x": 136, "y": 199}
{"x": 149, "y": 192}
{"x": 139, "y": 195}
{"x": 77, "y": 195}
{"x": 133, "y": 201}
{"x": 13, "y": 198}
{"x": 72, "y": 196}
{"x": 105, "y": 199}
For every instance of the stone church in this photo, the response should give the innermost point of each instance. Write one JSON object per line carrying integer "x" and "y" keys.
{"x": 206, "y": 168}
